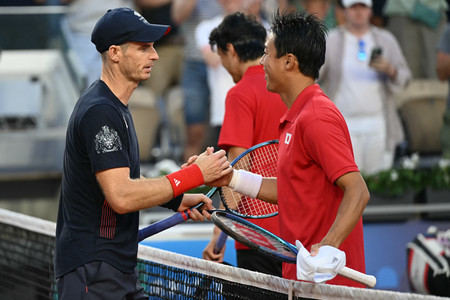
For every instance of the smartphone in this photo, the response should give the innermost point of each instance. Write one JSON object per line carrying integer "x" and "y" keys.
{"x": 376, "y": 52}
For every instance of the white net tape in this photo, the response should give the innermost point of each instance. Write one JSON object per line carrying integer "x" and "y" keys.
{"x": 290, "y": 287}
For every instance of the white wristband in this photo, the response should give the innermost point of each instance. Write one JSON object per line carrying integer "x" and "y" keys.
{"x": 246, "y": 183}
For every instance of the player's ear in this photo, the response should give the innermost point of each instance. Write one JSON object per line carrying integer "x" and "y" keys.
{"x": 230, "y": 48}
{"x": 290, "y": 61}
{"x": 113, "y": 52}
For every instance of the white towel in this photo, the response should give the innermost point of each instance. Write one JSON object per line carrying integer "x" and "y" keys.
{"x": 320, "y": 268}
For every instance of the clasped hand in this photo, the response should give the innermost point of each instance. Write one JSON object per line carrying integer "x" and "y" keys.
{"x": 215, "y": 167}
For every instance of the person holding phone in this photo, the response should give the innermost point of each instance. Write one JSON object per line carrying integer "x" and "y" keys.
{"x": 364, "y": 67}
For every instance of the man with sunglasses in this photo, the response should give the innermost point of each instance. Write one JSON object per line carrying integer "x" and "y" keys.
{"x": 364, "y": 67}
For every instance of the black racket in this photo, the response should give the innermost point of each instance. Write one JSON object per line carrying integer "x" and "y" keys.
{"x": 260, "y": 159}
{"x": 267, "y": 243}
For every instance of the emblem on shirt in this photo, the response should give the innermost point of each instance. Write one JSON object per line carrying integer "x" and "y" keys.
{"x": 287, "y": 138}
{"x": 107, "y": 140}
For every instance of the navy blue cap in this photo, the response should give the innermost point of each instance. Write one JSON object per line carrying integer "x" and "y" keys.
{"x": 121, "y": 25}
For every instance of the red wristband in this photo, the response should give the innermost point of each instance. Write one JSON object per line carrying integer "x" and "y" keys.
{"x": 185, "y": 179}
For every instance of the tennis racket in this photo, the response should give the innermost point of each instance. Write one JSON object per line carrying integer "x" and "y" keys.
{"x": 259, "y": 159}
{"x": 267, "y": 243}
{"x": 220, "y": 242}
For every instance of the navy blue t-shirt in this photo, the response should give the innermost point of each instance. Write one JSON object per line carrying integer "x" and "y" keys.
{"x": 100, "y": 136}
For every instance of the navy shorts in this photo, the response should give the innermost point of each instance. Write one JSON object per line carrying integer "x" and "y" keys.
{"x": 196, "y": 92}
{"x": 99, "y": 280}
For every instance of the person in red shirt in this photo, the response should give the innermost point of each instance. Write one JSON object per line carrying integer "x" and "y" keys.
{"x": 319, "y": 191}
{"x": 252, "y": 116}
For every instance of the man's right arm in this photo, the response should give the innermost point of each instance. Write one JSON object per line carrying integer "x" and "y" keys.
{"x": 127, "y": 195}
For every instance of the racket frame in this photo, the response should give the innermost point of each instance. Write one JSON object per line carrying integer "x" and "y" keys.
{"x": 216, "y": 218}
{"x": 367, "y": 280}
{"x": 233, "y": 163}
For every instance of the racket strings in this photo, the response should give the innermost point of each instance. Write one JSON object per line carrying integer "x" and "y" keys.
{"x": 262, "y": 161}
{"x": 249, "y": 235}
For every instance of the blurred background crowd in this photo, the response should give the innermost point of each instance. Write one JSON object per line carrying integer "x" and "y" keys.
{"x": 394, "y": 105}
{"x": 180, "y": 109}
{"x": 387, "y": 68}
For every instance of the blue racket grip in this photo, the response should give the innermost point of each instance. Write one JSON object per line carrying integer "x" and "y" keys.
{"x": 169, "y": 222}
{"x": 162, "y": 225}
{"x": 220, "y": 242}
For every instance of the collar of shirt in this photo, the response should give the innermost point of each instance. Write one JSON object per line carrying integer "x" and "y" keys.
{"x": 253, "y": 70}
{"x": 303, "y": 98}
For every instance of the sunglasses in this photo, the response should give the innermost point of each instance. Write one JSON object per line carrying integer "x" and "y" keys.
{"x": 362, "y": 54}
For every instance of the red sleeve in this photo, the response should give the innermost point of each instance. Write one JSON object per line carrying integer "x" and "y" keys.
{"x": 328, "y": 144}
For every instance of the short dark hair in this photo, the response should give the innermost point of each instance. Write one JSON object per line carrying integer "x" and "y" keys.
{"x": 302, "y": 35}
{"x": 244, "y": 32}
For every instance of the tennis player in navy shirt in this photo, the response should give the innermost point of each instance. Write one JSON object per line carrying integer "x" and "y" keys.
{"x": 102, "y": 189}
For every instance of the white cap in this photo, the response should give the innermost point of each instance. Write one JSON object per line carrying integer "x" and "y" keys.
{"x": 348, "y": 3}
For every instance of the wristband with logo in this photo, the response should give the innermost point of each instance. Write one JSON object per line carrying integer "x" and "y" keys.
{"x": 185, "y": 179}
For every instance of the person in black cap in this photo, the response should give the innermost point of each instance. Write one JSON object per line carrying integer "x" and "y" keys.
{"x": 102, "y": 190}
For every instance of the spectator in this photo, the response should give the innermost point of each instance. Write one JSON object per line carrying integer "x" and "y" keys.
{"x": 165, "y": 88}
{"x": 219, "y": 80}
{"x": 188, "y": 14}
{"x": 378, "y": 18}
{"x": 257, "y": 9}
{"x": 363, "y": 88}
{"x": 443, "y": 73}
{"x": 325, "y": 10}
{"x": 407, "y": 20}
{"x": 170, "y": 47}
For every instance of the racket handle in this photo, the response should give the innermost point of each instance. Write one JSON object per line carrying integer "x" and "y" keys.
{"x": 163, "y": 225}
{"x": 367, "y": 280}
{"x": 220, "y": 242}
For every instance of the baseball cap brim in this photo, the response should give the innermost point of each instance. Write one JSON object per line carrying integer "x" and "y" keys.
{"x": 122, "y": 25}
{"x": 150, "y": 34}
{"x": 349, "y": 3}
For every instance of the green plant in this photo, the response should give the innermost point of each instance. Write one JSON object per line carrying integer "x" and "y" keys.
{"x": 438, "y": 177}
{"x": 398, "y": 180}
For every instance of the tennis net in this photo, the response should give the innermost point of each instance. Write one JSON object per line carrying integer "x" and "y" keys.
{"x": 26, "y": 272}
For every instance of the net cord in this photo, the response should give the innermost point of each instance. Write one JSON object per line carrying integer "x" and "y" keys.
{"x": 230, "y": 273}
{"x": 28, "y": 222}
{"x": 274, "y": 283}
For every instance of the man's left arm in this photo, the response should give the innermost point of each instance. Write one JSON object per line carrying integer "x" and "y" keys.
{"x": 356, "y": 197}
